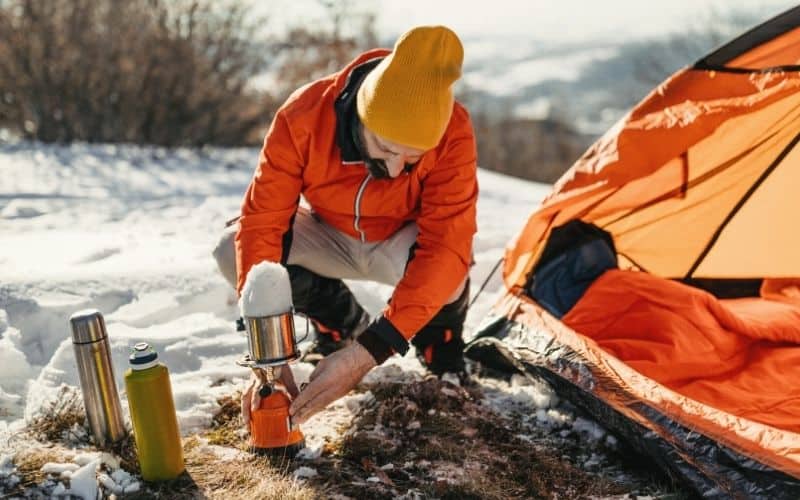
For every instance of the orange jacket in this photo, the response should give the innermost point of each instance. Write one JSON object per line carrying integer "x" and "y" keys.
{"x": 303, "y": 153}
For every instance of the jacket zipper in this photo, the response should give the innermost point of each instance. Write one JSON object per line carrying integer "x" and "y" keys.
{"x": 357, "y": 219}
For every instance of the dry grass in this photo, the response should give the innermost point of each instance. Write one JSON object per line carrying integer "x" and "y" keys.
{"x": 56, "y": 421}
{"x": 226, "y": 425}
{"x": 29, "y": 467}
{"x": 208, "y": 476}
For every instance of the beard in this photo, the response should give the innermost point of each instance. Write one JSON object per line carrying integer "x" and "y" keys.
{"x": 377, "y": 168}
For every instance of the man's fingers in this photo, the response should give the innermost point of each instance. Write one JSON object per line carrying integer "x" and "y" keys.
{"x": 255, "y": 398}
{"x": 333, "y": 377}
{"x": 309, "y": 410}
{"x": 312, "y": 406}
{"x": 287, "y": 377}
{"x": 307, "y": 398}
{"x": 246, "y": 407}
{"x": 310, "y": 392}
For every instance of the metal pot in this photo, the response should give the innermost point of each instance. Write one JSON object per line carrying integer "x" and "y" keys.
{"x": 271, "y": 339}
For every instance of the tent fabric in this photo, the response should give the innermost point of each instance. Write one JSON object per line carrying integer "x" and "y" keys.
{"x": 698, "y": 183}
{"x": 682, "y": 168}
{"x": 733, "y": 355}
{"x": 701, "y": 159}
{"x": 718, "y": 454}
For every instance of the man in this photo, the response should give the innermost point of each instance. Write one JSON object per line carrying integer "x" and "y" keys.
{"x": 386, "y": 160}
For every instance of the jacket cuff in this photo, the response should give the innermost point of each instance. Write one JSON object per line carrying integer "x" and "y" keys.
{"x": 382, "y": 340}
{"x": 379, "y": 349}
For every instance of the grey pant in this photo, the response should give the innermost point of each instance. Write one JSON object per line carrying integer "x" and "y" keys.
{"x": 328, "y": 252}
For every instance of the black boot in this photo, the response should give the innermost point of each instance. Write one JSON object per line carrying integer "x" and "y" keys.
{"x": 326, "y": 341}
{"x": 440, "y": 343}
{"x": 333, "y": 310}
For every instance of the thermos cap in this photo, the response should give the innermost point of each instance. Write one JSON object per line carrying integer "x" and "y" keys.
{"x": 143, "y": 356}
{"x": 87, "y": 326}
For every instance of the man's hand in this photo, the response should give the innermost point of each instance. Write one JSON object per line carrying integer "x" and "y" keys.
{"x": 333, "y": 377}
{"x": 251, "y": 399}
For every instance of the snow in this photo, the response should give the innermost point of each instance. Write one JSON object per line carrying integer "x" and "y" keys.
{"x": 129, "y": 230}
{"x": 267, "y": 291}
{"x": 55, "y": 468}
{"x": 83, "y": 482}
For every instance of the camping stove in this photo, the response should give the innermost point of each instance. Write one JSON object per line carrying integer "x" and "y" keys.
{"x": 271, "y": 342}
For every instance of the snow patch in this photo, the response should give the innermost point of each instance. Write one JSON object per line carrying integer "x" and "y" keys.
{"x": 592, "y": 429}
{"x": 59, "y": 468}
{"x": 267, "y": 291}
{"x": 21, "y": 209}
{"x": 304, "y": 472}
{"x": 83, "y": 482}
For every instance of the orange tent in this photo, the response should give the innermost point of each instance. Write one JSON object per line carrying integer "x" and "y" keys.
{"x": 699, "y": 183}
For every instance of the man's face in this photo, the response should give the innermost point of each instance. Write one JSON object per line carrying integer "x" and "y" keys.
{"x": 387, "y": 158}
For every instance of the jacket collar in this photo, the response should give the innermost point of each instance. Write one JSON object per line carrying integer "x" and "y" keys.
{"x": 347, "y": 119}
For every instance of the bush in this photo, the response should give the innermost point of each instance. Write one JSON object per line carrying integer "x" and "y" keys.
{"x": 537, "y": 150}
{"x": 167, "y": 72}
{"x": 306, "y": 53}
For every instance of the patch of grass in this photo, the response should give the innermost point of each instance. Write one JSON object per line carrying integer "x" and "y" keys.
{"x": 29, "y": 466}
{"x": 427, "y": 437}
{"x": 125, "y": 449}
{"x": 207, "y": 476}
{"x": 226, "y": 424}
{"x": 437, "y": 439}
{"x": 55, "y": 423}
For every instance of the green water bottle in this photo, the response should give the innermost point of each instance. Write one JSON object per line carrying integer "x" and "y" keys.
{"x": 155, "y": 425}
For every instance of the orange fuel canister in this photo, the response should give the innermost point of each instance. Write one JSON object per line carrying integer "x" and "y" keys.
{"x": 271, "y": 428}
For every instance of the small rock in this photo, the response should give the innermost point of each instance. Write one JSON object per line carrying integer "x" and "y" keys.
{"x": 414, "y": 425}
{"x": 132, "y": 488}
{"x": 449, "y": 392}
{"x": 107, "y": 482}
{"x": 309, "y": 453}
{"x": 59, "y": 490}
{"x": 451, "y": 378}
{"x": 109, "y": 460}
{"x": 121, "y": 477}
{"x": 469, "y": 432}
{"x": 304, "y": 472}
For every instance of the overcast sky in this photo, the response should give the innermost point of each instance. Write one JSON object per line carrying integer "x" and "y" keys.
{"x": 555, "y": 20}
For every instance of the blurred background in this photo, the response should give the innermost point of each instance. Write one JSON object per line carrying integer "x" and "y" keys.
{"x": 542, "y": 79}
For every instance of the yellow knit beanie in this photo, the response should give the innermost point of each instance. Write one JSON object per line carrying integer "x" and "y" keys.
{"x": 407, "y": 98}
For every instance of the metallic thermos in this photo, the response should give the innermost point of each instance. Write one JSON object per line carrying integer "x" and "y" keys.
{"x": 100, "y": 396}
